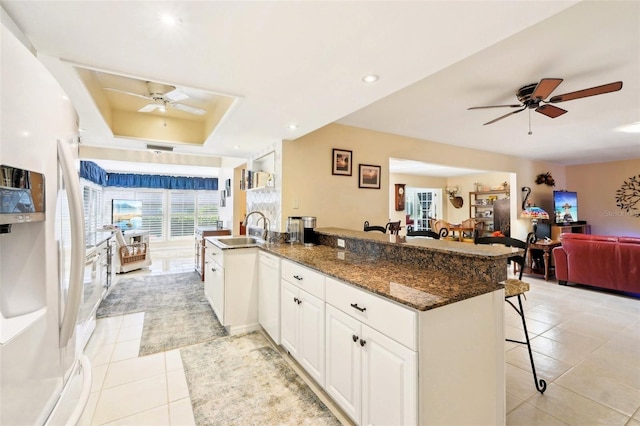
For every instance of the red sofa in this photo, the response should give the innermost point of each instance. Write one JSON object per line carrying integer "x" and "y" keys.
{"x": 599, "y": 261}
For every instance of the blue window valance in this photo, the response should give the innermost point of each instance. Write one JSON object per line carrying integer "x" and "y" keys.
{"x": 96, "y": 174}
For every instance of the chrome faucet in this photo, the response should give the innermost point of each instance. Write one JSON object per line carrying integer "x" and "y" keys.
{"x": 265, "y": 223}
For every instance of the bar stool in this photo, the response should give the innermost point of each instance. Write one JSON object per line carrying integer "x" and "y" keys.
{"x": 515, "y": 287}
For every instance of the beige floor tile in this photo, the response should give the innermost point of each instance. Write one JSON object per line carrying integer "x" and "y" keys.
{"x": 519, "y": 382}
{"x": 602, "y": 388}
{"x": 134, "y": 369}
{"x": 130, "y": 333}
{"x": 173, "y": 360}
{"x": 131, "y": 398}
{"x": 99, "y": 355}
{"x": 181, "y": 413}
{"x": 547, "y": 368}
{"x": 125, "y": 350}
{"x": 633, "y": 422}
{"x": 102, "y": 338}
{"x": 528, "y": 415}
{"x": 177, "y": 385}
{"x": 513, "y": 402}
{"x": 98, "y": 374}
{"x": 158, "y": 416}
{"x": 570, "y": 353}
{"x": 133, "y": 320}
{"x": 575, "y": 409}
{"x": 566, "y": 336}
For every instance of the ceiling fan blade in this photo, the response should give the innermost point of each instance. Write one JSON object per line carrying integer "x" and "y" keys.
{"x": 176, "y": 95}
{"x": 598, "y": 90}
{"x": 504, "y": 116}
{"x": 187, "y": 108}
{"x": 550, "y": 110}
{"x": 545, "y": 88}
{"x": 497, "y": 106}
{"x": 127, "y": 93}
{"x": 149, "y": 108}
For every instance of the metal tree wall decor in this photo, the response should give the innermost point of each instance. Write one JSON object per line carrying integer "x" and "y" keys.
{"x": 628, "y": 196}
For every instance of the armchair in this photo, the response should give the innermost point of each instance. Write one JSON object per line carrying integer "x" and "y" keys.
{"x": 131, "y": 256}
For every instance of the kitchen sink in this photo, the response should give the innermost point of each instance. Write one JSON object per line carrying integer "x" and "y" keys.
{"x": 229, "y": 242}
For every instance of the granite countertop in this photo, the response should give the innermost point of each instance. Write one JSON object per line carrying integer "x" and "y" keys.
{"x": 443, "y": 246}
{"x": 416, "y": 287}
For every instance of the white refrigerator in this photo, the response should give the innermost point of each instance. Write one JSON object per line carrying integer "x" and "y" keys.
{"x": 44, "y": 377}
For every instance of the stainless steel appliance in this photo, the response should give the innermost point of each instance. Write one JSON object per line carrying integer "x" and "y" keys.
{"x": 308, "y": 230}
{"x": 294, "y": 226}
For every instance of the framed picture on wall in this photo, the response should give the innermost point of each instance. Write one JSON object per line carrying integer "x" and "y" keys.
{"x": 341, "y": 162}
{"x": 369, "y": 176}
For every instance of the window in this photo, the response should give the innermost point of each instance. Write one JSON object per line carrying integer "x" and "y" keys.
{"x": 182, "y": 216}
{"x": 207, "y": 208}
{"x": 167, "y": 214}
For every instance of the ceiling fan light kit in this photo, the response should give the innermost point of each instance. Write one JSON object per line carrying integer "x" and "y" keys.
{"x": 532, "y": 96}
{"x": 162, "y": 96}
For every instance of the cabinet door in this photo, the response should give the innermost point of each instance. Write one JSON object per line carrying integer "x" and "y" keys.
{"x": 344, "y": 362}
{"x": 269, "y": 295}
{"x": 289, "y": 317}
{"x": 311, "y": 336}
{"x": 389, "y": 381}
{"x": 215, "y": 273}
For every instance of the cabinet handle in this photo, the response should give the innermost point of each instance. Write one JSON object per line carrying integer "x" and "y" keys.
{"x": 355, "y": 338}
{"x": 355, "y": 305}
{"x": 363, "y": 342}
{"x": 213, "y": 269}
{"x": 295, "y": 300}
{"x": 297, "y": 277}
{"x": 299, "y": 301}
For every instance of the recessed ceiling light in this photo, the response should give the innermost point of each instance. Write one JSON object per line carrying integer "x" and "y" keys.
{"x": 630, "y": 128}
{"x": 293, "y": 126}
{"x": 370, "y": 78}
{"x": 236, "y": 147}
{"x": 170, "y": 21}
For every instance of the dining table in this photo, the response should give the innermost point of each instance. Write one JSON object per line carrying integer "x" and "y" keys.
{"x": 460, "y": 230}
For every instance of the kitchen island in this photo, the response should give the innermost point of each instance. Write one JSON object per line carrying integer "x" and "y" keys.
{"x": 398, "y": 332}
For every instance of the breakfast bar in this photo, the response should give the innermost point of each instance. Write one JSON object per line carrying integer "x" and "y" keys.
{"x": 427, "y": 314}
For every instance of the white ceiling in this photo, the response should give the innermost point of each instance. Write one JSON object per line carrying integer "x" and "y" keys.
{"x": 302, "y": 62}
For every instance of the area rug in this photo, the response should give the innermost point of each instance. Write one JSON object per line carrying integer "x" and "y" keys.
{"x": 242, "y": 380}
{"x": 176, "y": 311}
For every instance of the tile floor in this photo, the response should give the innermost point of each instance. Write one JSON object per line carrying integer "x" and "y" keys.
{"x": 586, "y": 346}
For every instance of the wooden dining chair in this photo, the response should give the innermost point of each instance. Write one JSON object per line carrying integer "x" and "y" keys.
{"x": 441, "y": 224}
{"x": 368, "y": 228}
{"x": 515, "y": 287}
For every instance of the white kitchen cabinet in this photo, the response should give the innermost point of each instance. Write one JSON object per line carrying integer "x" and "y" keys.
{"x": 303, "y": 318}
{"x": 231, "y": 286}
{"x": 269, "y": 294}
{"x": 364, "y": 368}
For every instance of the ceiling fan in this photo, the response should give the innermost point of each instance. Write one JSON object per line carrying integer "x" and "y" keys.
{"x": 532, "y": 96}
{"x": 162, "y": 96}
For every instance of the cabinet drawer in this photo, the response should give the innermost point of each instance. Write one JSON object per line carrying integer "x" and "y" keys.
{"x": 389, "y": 318}
{"x": 214, "y": 252}
{"x": 310, "y": 281}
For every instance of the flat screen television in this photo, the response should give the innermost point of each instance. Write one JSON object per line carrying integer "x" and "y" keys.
{"x": 126, "y": 214}
{"x": 565, "y": 207}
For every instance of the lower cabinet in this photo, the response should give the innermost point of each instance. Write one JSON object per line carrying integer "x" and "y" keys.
{"x": 372, "y": 377}
{"x": 302, "y": 330}
{"x": 231, "y": 287}
{"x": 269, "y": 294}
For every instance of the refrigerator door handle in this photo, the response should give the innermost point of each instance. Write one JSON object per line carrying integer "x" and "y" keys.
{"x": 76, "y": 219}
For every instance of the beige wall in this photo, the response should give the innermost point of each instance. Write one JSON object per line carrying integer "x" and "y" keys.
{"x": 337, "y": 200}
{"x": 596, "y": 185}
